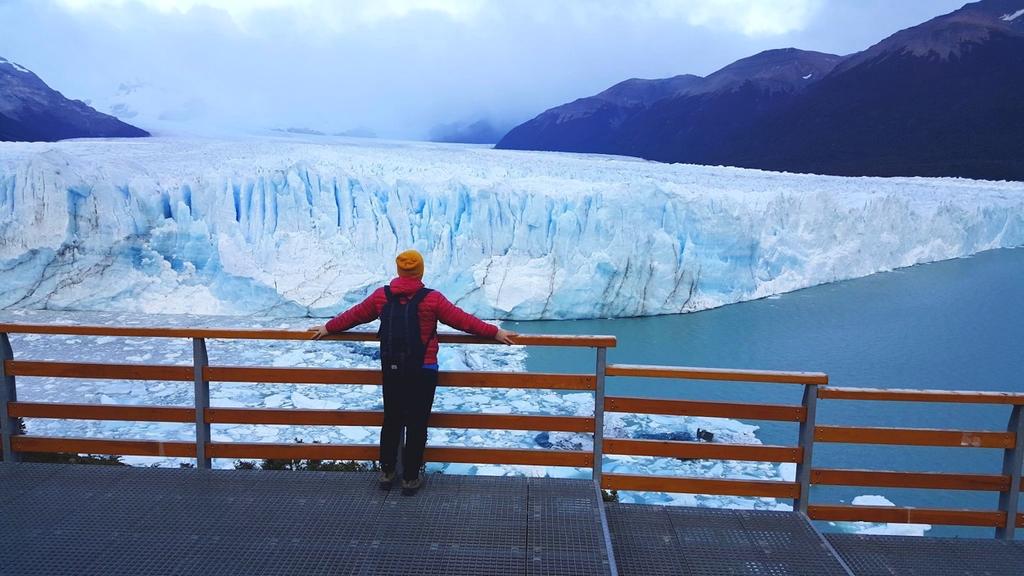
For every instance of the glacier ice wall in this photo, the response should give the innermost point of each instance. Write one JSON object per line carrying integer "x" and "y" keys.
{"x": 289, "y": 227}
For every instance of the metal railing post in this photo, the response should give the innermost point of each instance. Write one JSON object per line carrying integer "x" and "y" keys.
{"x": 8, "y": 393}
{"x": 602, "y": 365}
{"x": 200, "y": 361}
{"x": 803, "y": 468}
{"x": 1013, "y": 460}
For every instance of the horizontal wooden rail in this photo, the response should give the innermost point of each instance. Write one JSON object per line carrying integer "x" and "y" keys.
{"x": 175, "y": 449}
{"x": 371, "y": 452}
{"x": 533, "y": 457}
{"x": 716, "y": 374}
{"x": 292, "y": 375}
{"x": 269, "y": 334}
{"x": 906, "y": 515}
{"x": 780, "y": 412}
{"x": 310, "y": 417}
{"x": 294, "y": 451}
{"x": 914, "y": 437}
{"x": 908, "y": 395}
{"x": 98, "y": 371}
{"x": 690, "y": 485}
{"x": 928, "y": 480}
{"x": 703, "y": 450}
{"x": 101, "y": 412}
{"x": 1020, "y": 520}
{"x": 525, "y": 380}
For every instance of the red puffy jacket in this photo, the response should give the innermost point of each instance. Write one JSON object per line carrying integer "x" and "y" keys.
{"x": 434, "y": 307}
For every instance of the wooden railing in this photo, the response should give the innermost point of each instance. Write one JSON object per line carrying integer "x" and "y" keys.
{"x": 201, "y": 373}
{"x": 814, "y": 387}
{"x": 799, "y": 454}
{"x": 1007, "y": 483}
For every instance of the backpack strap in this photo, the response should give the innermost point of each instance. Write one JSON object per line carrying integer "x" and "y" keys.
{"x": 387, "y": 294}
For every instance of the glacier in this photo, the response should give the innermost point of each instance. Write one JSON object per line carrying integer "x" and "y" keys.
{"x": 286, "y": 227}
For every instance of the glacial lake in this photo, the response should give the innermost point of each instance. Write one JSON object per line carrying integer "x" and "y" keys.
{"x": 956, "y": 325}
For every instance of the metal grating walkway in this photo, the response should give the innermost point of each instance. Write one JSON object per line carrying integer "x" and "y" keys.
{"x": 656, "y": 540}
{"x": 669, "y": 540}
{"x": 110, "y": 520}
{"x": 59, "y": 519}
{"x": 909, "y": 556}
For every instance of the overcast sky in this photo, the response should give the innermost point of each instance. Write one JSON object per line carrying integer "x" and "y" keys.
{"x": 399, "y": 67}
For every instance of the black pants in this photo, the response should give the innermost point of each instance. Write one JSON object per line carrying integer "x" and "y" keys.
{"x": 407, "y": 401}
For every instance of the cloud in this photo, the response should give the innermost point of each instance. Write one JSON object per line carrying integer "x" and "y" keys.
{"x": 748, "y": 17}
{"x": 338, "y": 14}
{"x": 403, "y": 67}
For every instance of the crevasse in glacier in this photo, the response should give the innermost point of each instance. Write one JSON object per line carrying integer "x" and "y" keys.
{"x": 287, "y": 227}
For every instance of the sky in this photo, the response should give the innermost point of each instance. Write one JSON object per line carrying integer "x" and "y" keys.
{"x": 398, "y": 68}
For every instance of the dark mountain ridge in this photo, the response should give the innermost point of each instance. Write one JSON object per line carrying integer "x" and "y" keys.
{"x": 32, "y": 111}
{"x": 944, "y": 98}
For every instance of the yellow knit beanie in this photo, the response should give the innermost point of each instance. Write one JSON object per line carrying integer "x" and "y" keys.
{"x": 410, "y": 264}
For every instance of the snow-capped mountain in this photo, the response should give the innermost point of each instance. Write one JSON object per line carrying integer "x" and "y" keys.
{"x": 32, "y": 111}
{"x": 939, "y": 99}
{"x": 285, "y": 227}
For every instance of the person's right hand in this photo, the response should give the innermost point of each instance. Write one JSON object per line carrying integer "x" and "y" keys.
{"x": 319, "y": 332}
{"x": 505, "y": 336}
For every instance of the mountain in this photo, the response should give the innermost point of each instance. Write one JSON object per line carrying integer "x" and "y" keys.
{"x": 32, "y": 111}
{"x": 589, "y": 124}
{"x": 944, "y": 98}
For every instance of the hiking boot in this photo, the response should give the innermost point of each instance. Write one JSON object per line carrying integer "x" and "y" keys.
{"x": 386, "y": 480}
{"x": 409, "y": 487}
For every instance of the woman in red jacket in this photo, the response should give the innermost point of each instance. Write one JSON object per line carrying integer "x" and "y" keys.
{"x": 409, "y": 385}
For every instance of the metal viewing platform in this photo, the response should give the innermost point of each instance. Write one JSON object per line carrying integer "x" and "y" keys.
{"x": 60, "y": 519}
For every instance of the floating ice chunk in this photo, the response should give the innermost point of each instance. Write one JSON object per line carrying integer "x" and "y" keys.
{"x": 275, "y": 400}
{"x": 880, "y": 528}
{"x": 301, "y": 401}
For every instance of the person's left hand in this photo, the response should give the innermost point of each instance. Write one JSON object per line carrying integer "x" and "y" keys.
{"x": 505, "y": 336}
{"x": 319, "y": 332}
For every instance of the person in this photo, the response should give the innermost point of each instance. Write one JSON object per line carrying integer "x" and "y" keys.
{"x": 409, "y": 364}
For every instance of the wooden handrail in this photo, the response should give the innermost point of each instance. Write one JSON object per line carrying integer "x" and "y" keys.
{"x": 366, "y": 376}
{"x": 925, "y": 480}
{"x": 910, "y": 395}
{"x": 98, "y": 371}
{"x": 914, "y": 437}
{"x": 370, "y": 452}
{"x": 906, "y": 515}
{"x": 101, "y": 412}
{"x": 277, "y": 334}
{"x": 688, "y": 373}
{"x": 295, "y": 451}
{"x": 691, "y": 485}
{"x": 176, "y": 449}
{"x": 779, "y": 412}
{"x": 311, "y": 417}
{"x": 703, "y": 450}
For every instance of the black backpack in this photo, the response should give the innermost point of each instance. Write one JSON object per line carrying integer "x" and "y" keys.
{"x": 401, "y": 348}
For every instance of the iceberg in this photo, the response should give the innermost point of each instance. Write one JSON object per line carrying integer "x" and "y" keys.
{"x": 287, "y": 227}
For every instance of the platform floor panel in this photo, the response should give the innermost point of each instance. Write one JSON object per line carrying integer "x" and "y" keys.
{"x": 652, "y": 540}
{"x": 876, "y": 555}
{"x": 112, "y": 520}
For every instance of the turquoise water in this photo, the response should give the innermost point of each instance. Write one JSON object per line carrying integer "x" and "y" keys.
{"x": 955, "y": 325}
